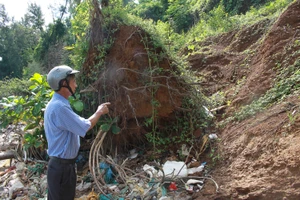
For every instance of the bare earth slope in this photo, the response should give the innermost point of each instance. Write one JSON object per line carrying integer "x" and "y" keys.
{"x": 259, "y": 155}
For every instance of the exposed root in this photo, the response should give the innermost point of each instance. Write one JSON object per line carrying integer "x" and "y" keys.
{"x": 133, "y": 110}
{"x": 130, "y": 37}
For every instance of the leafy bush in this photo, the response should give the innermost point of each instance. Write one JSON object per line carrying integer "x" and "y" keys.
{"x": 270, "y": 11}
{"x": 215, "y": 22}
{"x": 286, "y": 84}
{"x": 218, "y": 20}
{"x": 14, "y": 87}
{"x": 28, "y": 110}
{"x": 241, "y": 6}
{"x": 79, "y": 28}
{"x": 180, "y": 16}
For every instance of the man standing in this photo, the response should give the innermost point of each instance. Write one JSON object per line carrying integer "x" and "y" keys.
{"x": 63, "y": 128}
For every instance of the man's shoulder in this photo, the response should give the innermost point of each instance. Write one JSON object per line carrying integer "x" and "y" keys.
{"x": 56, "y": 104}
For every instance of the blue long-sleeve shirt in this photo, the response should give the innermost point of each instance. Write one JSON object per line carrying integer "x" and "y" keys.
{"x": 63, "y": 128}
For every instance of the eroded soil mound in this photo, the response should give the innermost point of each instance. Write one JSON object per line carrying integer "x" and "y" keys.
{"x": 140, "y": 82}
{"x": 222, "y": 61}
{"x": 259, "y": 155}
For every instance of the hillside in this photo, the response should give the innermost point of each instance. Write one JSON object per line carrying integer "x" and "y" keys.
{"x": 255, "y": 73}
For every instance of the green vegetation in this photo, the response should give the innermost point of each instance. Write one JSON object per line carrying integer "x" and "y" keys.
{"x": 218, "y": 21}
{"x": 14, "y": 87}
{"x": 29, "y": 44}
{"x": 28, "y": 110}
{"x": 286, "y": 83}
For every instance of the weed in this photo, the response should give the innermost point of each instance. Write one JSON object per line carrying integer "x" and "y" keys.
{"x": 215, "y": 153}
{"x": 38, "y": 169}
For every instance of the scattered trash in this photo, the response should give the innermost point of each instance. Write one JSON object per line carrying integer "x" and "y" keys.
{"x": 109, "y": 197}
{"x": 193, "y": 185}
{"x": 165, "y": 198}
{"x": 150, "y": 183}
{"x": 109, "y": 176}
{"x": 213, "y": 136}
{"x": 114, "y": 188}
{"x": 175, "y": 168}
{"x": 84, "y": 186}
{"x": 172, "y": 186}
{"x": 208, "y": 112}
{"x": 105, "y": 197}
{"x": 133, "y": 154}
{"x": 92, "y": 195}
{"x": 151, "y": 171}
{"x": 196, "y": 169}
{"x": 184, "y": 150}
{"x": 170, "y": 168}
{"x": 193, "y": 163}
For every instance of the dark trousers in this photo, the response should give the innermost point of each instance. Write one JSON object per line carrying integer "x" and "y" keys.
{"x": 61, "y": 177}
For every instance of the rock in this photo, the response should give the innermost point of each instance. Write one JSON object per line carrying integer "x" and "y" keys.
{"x": 43, "y": 184}
{"x": 15, "y": 185}
{"x": 83, "y": 186}
{"x": 20, "y": 167}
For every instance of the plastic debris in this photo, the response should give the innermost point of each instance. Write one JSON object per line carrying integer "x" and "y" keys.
{"x": 109, "y": 176}
{"x": 170, "y": 168}
{"x": 137, "y": 198}
{"x": 184, "y": 150}
{"x": 114, "y": 188}
{"x": 109, "y": 197}
{"x": 133, "y": 154}
{"x": 208, "y": 112}
{"x": 165, "y": 198}
{"x": 196, "y": 169}
{"x": 163, "y": 191}
{"x": 175, "y": 168}
{"x": 92, "y": 195}
{"x": 172, "y": 186}
{"x": 151, "y": 171}
{"x": 213, "y": 136}
{"x": 193, "y": 185}
{"x": 105, "y": 197}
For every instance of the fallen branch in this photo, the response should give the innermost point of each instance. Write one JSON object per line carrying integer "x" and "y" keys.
{"x": 7, "y": 155}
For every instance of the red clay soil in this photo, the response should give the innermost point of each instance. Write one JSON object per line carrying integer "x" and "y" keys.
{"x": 259, "y": 155}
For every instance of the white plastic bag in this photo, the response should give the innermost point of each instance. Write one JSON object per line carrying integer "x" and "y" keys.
{"x": 175, "y": 168}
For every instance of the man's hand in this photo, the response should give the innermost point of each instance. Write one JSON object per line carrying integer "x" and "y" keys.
{"x": 103, "y": 109}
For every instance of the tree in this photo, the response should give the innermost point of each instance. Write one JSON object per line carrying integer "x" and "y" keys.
{"x": 148, "y": 9}
{"x": 34, "y": 17}
{"x": 49, "y": 50}
{"x": 3, "y": 16}
{"x": 180, "y": 16}
{"x": 12, "y": 51}
{"x": 18, "y": 40}
{"x": 10, "y": 65}
{"x": 241, "y": 6}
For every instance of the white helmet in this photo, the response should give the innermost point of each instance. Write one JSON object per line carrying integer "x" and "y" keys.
{"x": 57, "y": 74}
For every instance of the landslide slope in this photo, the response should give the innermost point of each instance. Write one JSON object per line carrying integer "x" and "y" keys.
{"x": 255, "y": 71}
